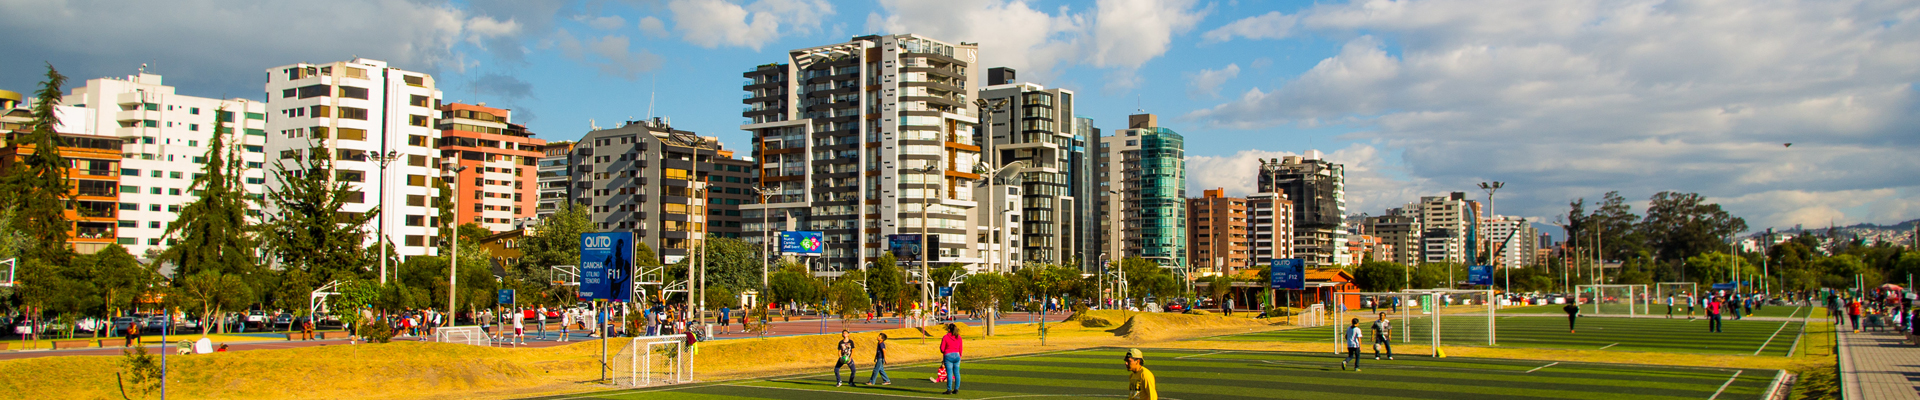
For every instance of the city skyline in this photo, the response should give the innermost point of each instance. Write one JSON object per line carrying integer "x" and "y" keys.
{"x": 1562, "y": 101}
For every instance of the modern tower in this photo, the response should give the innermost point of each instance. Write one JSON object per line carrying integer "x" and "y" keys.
{"x": 1036, "y": 130}
{"x": 1317, "y": 188}
{"x": 499, "y": 185}
{"x": 1144, "y": 207}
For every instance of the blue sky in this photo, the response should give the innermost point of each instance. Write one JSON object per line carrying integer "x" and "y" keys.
{"x": 1562, "y": 99}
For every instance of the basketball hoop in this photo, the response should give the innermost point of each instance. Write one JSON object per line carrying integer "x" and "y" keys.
{"x": 13, "y": 267}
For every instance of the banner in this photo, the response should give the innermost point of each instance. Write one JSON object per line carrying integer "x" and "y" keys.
{"x": 1288, "y": 273}
{"x": 906, "y": 247}
{"x": 606, "y": 262}
{"x": 803, "y": 243}
{"x": 1480, "y": 275}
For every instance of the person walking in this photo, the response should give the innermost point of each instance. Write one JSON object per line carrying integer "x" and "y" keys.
{"x": 846, "y": 359}
{"x": 1573, "y": 311}
{"x": 1853, "y": 314}
{"x": 1353, "y": 346}
{"x": 726, "y": 325}
{"x": 879, "y": 362}
{"x": 1140, "y": 382}
{"x": 1669, "y": 306}
{"x": 950, "y": 348}
{"x": 566, "y": 322}
{"x": 1692, "y": 299}
{"x": 519, "y": 328}
{"x": 1713, "y": 315}
{"x": 1382, "y": 336}
{"x": 540, "y": 315}
{"x": 1833, "y": 308}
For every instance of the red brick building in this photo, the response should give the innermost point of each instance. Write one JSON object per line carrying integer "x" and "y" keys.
{"x": 500, "y": 184}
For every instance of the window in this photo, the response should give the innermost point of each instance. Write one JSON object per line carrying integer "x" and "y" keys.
{"x": 289, "y": 93}
{"x": 193, "y": 143}
{"x": 153, "y": 207}
{"x": 127, "y": 241}
{"x": 130, "y": 206}
{"x": 349, "y": 176}
{"x": 312, "y": 91}
{"x": 256, "y": 181}
{"x": 252, "y": 115}
{"x": 416, "y": 220}
{"x": 129, "y": 172}
{"x": 418, "y": 140}
{"x": 173, "y": 192}
{"x": 353, "y": 113}
{"x": 357, "y": 197}
{"x": 416, "y": 200}
{"x": 353, "y": 92}
{"x": 674, "y": 173}
{"x": 173, "y": 208}
{"x": 320, "y": 111}
{"x": 255, "y": 149}
{"x": 417, "y": 160}
{"x": 151, "y": 106}
{"x": 417, "y": 101}
{"x": 351, "y": 133}
{"x": 417, "y": 120}
{"x": 153, "y": 242}
{"x": 416, "y": 180}
{"x": 413, "y": 80}
{"x": 174, "y": 174}
{"x": 193, "y": 127}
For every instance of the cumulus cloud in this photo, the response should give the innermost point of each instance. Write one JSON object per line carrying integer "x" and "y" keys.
{"x": 613, "y": 55}
{"x": 1572, "y": 99}
{"x": 715, "y": 23}
{"x": 1372, "y": 184}
{"x": 1117, "y": 34}
{"x": 222, "y": 48}
{"x": 653, "y": 27}
{"x": 605, "y": 23}
{"x": 1207, "y": 82}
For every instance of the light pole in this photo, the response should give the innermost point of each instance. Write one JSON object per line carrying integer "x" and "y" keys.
{"x": 1101, "y": 281}
{"x": 1490, "y": 187}
{"x": 766, "y": 240}
{"x": 451, "y": 170}
{"x": 921, "y": 257}
{"x": 384, "y": 159}
{"x": 998, "y": 235}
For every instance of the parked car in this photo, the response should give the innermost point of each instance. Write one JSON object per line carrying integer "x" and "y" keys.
{"x": 122, "y": 324}
{"x": 1176, "y": 306}
{"x": 257, "y": 318}
{"x": 283, "y": 320}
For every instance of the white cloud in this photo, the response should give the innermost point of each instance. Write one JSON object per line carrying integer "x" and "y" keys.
{"x": 1117, "y": 34}
{"x": 613, "y": 55}
{"x": 653, "y": 28}
{"x": 1272, "y": 25}
{"x": 482, "y": 28}
{"x": 605, "y": 23}
{"x": 714, "y": 23}
{"x": 1572, "y": 99}
{"x": 1371, "y": 184}
{"x": 1207, "y": 82}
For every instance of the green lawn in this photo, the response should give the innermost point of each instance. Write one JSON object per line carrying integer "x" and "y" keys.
{"x": 1660, "y": 309}
{"x": 1191, "y": 375}
{"x": 1677, "y": 335}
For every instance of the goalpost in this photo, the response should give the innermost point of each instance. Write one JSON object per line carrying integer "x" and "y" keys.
{"x": 1440, "y": 316}
{"x": 650, "y": 360}
{"x": 1683, "y": 295}
{"x": 1629, "y": 300}
{"x": 1395, "y": 304}
{"x": 463, "y": 335}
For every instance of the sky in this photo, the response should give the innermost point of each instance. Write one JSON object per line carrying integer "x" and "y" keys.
{"x": 1561, "y": 100}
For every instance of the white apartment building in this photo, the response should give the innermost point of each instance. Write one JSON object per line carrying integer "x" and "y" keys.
{"x": 1513, "y": 240}
{"x": 358, "y": 113}
{"x": 1444, "y": 223}
{"x": 167, "y": 136}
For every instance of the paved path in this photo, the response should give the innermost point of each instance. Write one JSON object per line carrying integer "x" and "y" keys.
{"x": 1875, "y": 365}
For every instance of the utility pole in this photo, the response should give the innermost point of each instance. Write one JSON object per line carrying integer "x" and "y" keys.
{"x": 453, "y": 169}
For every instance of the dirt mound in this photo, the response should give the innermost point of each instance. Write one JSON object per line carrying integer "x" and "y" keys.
{"x": 1142, "y": 327}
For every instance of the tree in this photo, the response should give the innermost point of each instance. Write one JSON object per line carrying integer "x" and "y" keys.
{"x": 983, "y": 291}
{"x": 117, "y": 276}
{"x": 1380, "y": 276}
{"x": 1217, "y": 287}
{"x": 37, "y": 184}
{"x": 306, "y": 232}
{"x": 848, "y": 299}
{"x": 730, "y": 263}
{"x": 1679, "y": 225}
{"x": 211, "y": 292}
{"x": 887, "y": 281}
{"x": 792, "y": 284}
{"x": 213, "y": 232}
{"x": 554, "y": 240}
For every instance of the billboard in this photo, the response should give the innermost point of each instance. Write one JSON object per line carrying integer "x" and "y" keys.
{"x": 803, "y": 243}
{"x": 506, "y": 297}
{"x": 1480, "y": 275}
{"x": 906, "y": 247}
{"x": 606, "y": 263}
{"x": 1288, "y": 273}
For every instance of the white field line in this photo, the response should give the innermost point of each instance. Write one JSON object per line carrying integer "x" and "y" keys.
{"x": 1611, "y": 345}
{"x": 1201, "y": 355}
{"x": 1542, "y": 367}
{"x": 1723, "y": 386}
{"x": 1776, "y": 333}
{"x": 906, "y": 396}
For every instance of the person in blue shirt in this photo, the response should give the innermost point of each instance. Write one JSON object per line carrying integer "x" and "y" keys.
{"x": 725, "y": 325}
{"x": 1353, "y": 346}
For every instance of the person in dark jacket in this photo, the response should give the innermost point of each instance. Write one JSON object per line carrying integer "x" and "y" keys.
{"x": 1573, "y": 311}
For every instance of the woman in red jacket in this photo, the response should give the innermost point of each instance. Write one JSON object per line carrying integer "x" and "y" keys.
{"x": 950, "y": 350}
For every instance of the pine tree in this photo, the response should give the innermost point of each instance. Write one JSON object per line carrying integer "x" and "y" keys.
{"x": 307, "y": 234}
{"x": 212, "y": 232}
{"x": 37, "y": 183}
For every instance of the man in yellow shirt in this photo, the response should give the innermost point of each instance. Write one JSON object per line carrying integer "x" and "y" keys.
{"x": 1140, "y": 386}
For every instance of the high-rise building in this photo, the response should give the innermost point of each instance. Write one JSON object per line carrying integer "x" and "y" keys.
{"x": 1144, "y": 210}
{"x": 1444, "y": 221}
{"x": 854, "y": 139}
{"x": 166, "y": 137}
{"x": 658, "y": 182}
{"x": 357, "y": 113}
{"x": 1084, "y": 183}
{"x": 499, "y": 185}
{"x": 1036, "y": 129}
{"x": 93, "y": 175}
{"x": 1269, "y": 228}
{"x": 1317, "y": 188}
{"x": 556, "y": 178}
{"x": 1512, "y": 239}
{"x": 1400, "y": 233}
{"x": 1217, "y": 233}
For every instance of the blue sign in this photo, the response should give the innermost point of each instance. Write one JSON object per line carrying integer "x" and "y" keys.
{"x": 606, "y": 262}
{"x": 1480, "y": 275}
{"x": 946, "y": 291}
{"x": 506, "y": 296}
{"x": 906, "y": 247}
{"x": 803, "y": 243}
{"x": 1722, "y": 286}
{"x": 1288, "y": 273}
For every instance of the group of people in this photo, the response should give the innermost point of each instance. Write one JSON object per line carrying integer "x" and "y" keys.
{"x": 1896, "y": 309}
{"x": 1382, "y": 337}
{"x": 1141, "y": 384}
{"x": 539, "y": 317}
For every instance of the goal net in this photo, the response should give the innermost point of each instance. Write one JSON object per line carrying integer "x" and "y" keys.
{"x": 1434, "y": 317}
{"x": 652, "y": 360}
{"x": 463, "y": 335}
{"x": 1676, "y": 297}
{"x": 1628, "y": 300}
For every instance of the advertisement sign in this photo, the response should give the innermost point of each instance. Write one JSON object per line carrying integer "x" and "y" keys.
{"x": 1480, "y": 275}
{"x": 506, "y": 297}
{"x": 906, "y": 247}
{"x": 606, "y": 262}
{"x": 803, "y": 243}
{"x": 946, "y": 291}
{"x": 1289, "y": 273}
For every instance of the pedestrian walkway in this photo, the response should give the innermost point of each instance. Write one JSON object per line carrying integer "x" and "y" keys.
{"x": 1875, "y": 365}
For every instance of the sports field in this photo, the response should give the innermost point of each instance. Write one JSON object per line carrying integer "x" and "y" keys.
{"x": 1677, "y": 335}
{"x": 1192, "y": 375}
{"x": 1661, "y": 310}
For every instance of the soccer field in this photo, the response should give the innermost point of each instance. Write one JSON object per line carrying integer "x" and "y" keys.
{"x": 1680, "y": 310}
{"x": 1193, "y": 375}
{"x": 1678, "y": 335}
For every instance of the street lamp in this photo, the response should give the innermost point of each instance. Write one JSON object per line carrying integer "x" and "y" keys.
{"x": 451, "y": 172}
{"x": 384, "y": 159}
{"x": 927, "y": 284}
{"x": 1490, "y": 187}
{"x": 766, "y": 241}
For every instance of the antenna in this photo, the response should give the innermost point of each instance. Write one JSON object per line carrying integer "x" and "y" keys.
{"x": 650, "y": 92}
{"x": 1137, "y": 107}
{"x": 143, "y": 68}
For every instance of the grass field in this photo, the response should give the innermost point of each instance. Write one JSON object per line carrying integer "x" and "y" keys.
{"x": 1661, "y": 310}
{"x": 1774, "y": 338}
{"x": 1198, "y": 374}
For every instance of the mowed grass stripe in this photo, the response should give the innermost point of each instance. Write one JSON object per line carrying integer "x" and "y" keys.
{"x": 1427, "y": 373}
{"x": 1739, "y": 337}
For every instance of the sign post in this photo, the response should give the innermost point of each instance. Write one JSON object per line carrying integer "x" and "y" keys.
{"x": 1480, "y": 275}
{"x": 606, "y": 273}
{"x": 1287, "y": 273}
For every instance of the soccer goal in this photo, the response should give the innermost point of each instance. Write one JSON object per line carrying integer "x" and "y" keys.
{"x": 1367, "y": 306}
{"x": 463, "y": 335}
{"x": 652, "y": 360}
{"x": 1461, "y": 317}
{"x": 1628, "y": 300}
{"x": 1679, "y": 297}
{"x": 13, "y": 268}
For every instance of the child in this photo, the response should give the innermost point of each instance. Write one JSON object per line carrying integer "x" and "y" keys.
{"x": 879, "y": 362}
